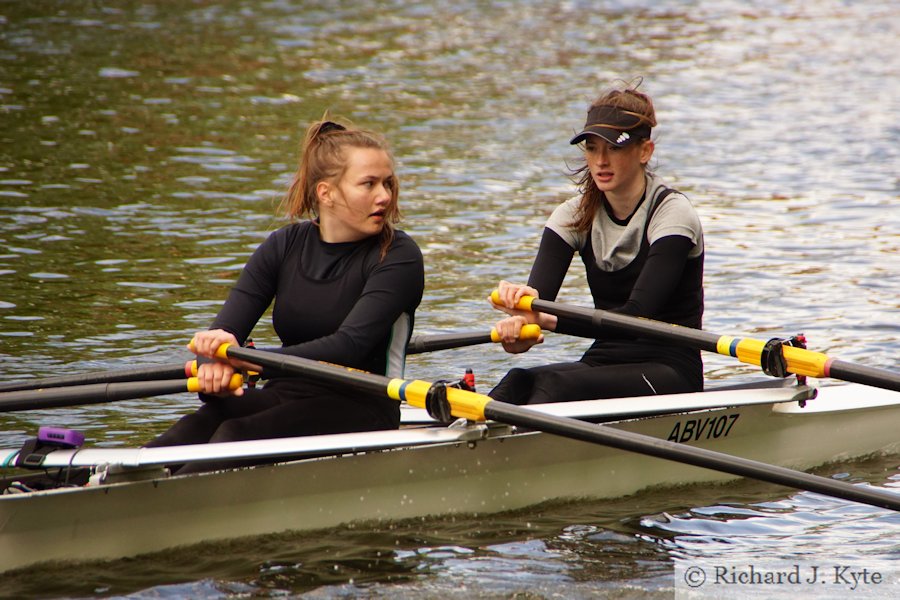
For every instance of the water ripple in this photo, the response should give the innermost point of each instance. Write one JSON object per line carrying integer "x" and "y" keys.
{"x": 149, "y": 148}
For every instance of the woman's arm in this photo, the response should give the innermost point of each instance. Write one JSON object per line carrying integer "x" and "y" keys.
{"x": 246, "y": 302}
{"x": 659, "y": 278}
{"x": 553, "y": 259}
{"x": 547, "y": 273}
{"x": 254, "y": 290}
{"x": 657, "y": 281}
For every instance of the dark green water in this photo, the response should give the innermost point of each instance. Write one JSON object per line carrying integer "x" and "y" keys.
{"x": 144, "y": 145}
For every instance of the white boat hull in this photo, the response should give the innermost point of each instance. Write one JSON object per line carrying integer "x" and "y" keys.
{"x": 499, "y": 473}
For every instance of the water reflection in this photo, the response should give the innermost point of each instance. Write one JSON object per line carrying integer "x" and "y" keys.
{"x": 146, "y": 146}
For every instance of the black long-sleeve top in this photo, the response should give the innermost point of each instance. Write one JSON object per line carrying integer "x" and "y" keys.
{"x": 341, "y": 303}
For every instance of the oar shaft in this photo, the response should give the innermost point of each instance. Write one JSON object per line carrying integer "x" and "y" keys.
{"x": 444, "y": 341}
{"x": 467, "y": 405}
{"x": 148, "y": 373}
{"x": 694, "y": 338}
{"x": 283, "y": 363}
{"x": 98, "y": 393}
{"x": 477, "y": 407}
{"x": 418, "y": 344}
{"x": 746, "y": 350}
{"x": 847, "y": 371}
{"x": 700, "y": 457}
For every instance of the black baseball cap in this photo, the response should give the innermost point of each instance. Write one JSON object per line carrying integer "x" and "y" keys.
{"x": 615, "y": 125}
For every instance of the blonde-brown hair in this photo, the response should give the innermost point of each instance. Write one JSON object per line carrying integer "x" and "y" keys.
{"x": 323, "y": 157}
{"x": 630, "y": 100}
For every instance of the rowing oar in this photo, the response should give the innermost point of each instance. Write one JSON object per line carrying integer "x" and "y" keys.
{"x": 755, "y": 352}
{"x": 444, "y": 341}
{"x": 148, "y": 373}
{"x": 99, "y": 393}
{"x": 417, "y": 344}
{"x": 443, "y": 402}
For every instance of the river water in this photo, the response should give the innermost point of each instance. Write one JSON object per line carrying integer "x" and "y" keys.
{"x": 146, "y": 143}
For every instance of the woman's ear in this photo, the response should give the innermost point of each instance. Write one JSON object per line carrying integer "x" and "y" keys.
{"x": 324, "y": 193}
{"x": 647, "y": 151}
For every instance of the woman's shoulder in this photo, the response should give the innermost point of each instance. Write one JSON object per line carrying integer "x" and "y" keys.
{"x": 401, "y": 237}
{"x": 285, "y": 242}
{"x": 294, "y": 228}
{"x": 404, "y": 245}
{"x": 288, "y": 235}
{"x": 673, "y": 214}
{"x": 562, "y": 222}
{"x": 564, "y": 214}
{"x": 290, "y": 230}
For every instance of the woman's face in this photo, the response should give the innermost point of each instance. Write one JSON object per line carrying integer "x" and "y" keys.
{"x": 356, "y": 206}
{"x": 616, "y": 169}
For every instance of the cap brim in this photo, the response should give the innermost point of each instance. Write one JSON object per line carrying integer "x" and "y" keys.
{"x": 613, "y": 136}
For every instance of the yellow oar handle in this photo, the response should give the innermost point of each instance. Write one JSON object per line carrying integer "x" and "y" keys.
{"x": 523, "y": 304}
{"x": 237, "y": 380}
{"x": 799, "y": 360}
{"x": 221, "y": 352}
{"x": 531, "y": 331}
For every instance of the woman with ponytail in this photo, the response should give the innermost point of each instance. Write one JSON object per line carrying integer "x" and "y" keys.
{"x": 345, "y": 285}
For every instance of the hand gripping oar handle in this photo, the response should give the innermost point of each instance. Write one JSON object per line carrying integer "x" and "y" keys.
{"x": 100, "y": 393}
{"x": 478, "y": 407}
{"x": 746, "y": 350}
{"x": 444, "y": 341}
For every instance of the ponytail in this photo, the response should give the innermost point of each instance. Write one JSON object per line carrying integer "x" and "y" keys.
{"x": 323, "y": 158}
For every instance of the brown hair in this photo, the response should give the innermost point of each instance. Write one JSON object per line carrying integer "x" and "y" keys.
{"x": 634, "y": 103}
{"x": 323, "y": 158}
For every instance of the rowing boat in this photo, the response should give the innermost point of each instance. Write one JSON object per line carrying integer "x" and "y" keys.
{"x": 132, "y": 506}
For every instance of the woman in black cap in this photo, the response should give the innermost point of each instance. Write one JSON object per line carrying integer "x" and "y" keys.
{"x": 642, "y": 246}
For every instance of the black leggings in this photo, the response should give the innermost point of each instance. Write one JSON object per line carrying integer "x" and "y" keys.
{"x": 280, "y": 409}
{"x": 566, "y": 382}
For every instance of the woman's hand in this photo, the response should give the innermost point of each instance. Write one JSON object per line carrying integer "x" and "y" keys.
{"x": 509, "y": 330}
{"x": 205, "y": 343}
{"x": 510, "y": 294}
{"x": 215, "y": 377}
